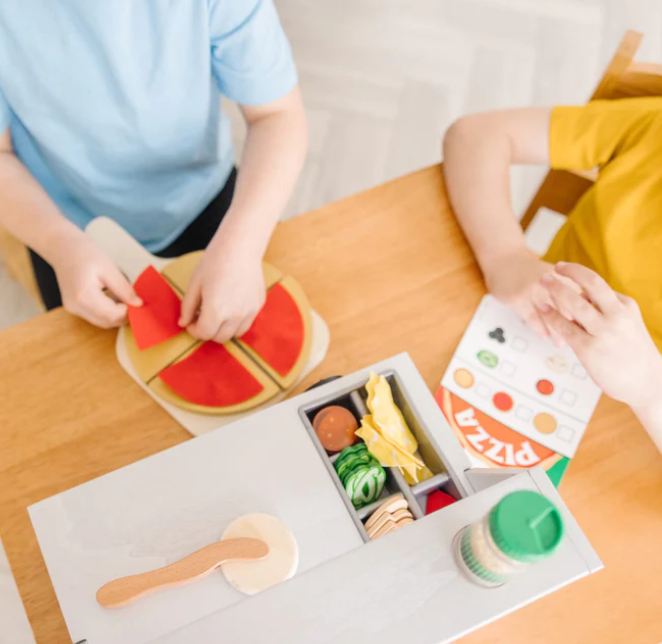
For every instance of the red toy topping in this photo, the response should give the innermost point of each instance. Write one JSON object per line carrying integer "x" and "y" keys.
{"x": 438, "y": 500}
{"x": 211, "y": 376}
{"x": 157, "y": 319}
{"x": 277, "y": 335}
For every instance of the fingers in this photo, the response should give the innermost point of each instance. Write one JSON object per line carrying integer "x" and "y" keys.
{"x": 573, "y": 306}
{"x": 214, "y": 324}
{"x": 120, "y": 287}
{"x": 246, "y": 324}
{"x": 190, "y": 306}
{"x": 98, "y": 309}
{"x": 207, "y": 325}
{"x": 227, "y": 331}
{"x": 570, "y": 332}
{"x": 535, "y": 322}
{"x": 597, "y": 290}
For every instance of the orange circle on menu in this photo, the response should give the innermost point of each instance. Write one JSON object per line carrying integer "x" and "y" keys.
{"x": 463, "y": 378}
{"x": 544, "y": 423}
{"x": 502, "y": 401}
{"x": 545, "y": 387}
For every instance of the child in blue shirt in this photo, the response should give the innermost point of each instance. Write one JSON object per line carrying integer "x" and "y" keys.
{"x": 114, "y": 109}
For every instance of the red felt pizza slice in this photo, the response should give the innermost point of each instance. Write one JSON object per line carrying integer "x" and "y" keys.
{"x": 279, "y": 339}
{"x": 157, "y": 319}
{"x": 214, "y": 379}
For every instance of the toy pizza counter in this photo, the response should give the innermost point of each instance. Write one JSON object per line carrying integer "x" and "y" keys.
{"x": 346, "y": 514}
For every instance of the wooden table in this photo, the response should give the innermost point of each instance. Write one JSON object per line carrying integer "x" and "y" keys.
{"x": 389, "y": 270}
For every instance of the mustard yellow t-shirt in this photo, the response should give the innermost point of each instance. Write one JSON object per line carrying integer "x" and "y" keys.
{"x": 616, "y": 227}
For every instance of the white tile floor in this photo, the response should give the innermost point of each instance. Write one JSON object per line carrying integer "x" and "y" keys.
{"x": 383, "y": 79}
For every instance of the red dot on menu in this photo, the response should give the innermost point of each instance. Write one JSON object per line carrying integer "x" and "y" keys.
{"x": 545, "y": 387}
{"x": 502, "y": 401}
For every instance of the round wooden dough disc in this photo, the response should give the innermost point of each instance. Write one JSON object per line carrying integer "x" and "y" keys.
{"x": 281, "y": 563}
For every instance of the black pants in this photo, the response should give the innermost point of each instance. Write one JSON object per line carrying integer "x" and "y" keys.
{"x": 196, "y": 237}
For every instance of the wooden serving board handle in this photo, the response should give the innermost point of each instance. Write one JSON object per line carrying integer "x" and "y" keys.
{"x": 196, "y": 566}
{"x": 131, "y": 258}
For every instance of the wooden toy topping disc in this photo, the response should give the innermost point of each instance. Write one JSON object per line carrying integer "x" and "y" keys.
{"x": 281, "y": 563}
{"x": 335, "y": 427}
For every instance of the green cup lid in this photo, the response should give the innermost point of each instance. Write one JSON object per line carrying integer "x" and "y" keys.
{"x": 526, "y": 526}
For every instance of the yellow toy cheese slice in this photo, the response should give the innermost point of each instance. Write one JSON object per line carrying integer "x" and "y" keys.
{"x": 386, "y": 416}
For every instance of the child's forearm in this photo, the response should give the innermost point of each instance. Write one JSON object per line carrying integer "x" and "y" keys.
{"x": 478, "y": 153}
{"x": 272, "y": 160}
{"x": 651, "y": 419}
{"x": 649, "y": 411}
{"x": 476, "y": 170}
{"x": 28, "y": 213}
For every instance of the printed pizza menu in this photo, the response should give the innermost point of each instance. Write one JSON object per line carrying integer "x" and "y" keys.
{"x": 514, "y": 399}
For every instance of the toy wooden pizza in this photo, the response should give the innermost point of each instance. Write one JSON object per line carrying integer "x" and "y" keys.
{"x": 205, "y": 384}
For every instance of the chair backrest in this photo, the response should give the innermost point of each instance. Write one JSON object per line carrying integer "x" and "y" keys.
{"x": 623, "y": 78}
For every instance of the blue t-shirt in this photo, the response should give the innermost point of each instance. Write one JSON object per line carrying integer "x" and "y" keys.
{"x": 114, "y": 106}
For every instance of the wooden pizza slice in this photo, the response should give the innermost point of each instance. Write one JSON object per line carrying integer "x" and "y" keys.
{"x": 214, "y": 378}
{"x": 149, "y": 363}
{"x": 280, "y": 338}
{"x": 179, "y": 271}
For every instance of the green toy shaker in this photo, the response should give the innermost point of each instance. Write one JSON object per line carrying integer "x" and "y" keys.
{"x": 523, "y": 529}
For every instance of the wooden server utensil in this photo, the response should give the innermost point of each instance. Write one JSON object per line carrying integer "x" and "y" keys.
{"x": 126, "y": 590}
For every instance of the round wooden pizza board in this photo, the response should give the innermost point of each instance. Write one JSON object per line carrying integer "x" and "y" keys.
{"x": 133, "y": 259}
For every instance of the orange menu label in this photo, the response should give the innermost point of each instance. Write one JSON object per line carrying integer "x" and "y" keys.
{"x": 488, "y": 440}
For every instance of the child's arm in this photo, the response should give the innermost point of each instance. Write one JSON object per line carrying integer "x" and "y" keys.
{"x": 83, "y": 271}
{"x": 478, "y": 152}
{"x": 227, "y": 286}
{"x": 606, "y": 331}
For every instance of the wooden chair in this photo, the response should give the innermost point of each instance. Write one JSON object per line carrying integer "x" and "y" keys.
{"x": 14, "y": 256}
{"x": 623, "y": 78}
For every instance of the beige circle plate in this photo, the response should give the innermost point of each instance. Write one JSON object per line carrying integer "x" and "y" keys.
{"x": 281, "y": 562}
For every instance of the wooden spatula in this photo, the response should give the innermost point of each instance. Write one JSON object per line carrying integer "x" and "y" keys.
{"x": 196, "y": 566}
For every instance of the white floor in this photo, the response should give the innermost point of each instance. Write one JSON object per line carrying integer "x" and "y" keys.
{"x": 383, "y": 79}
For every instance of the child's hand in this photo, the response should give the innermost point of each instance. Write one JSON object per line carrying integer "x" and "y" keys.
{"x": 225, "y": 294}
{"x": 606, "y": 331}
{"x": 514, "y": 279}
{"x": 83, "y": 272}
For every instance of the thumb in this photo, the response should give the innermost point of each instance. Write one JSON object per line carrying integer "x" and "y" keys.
{"x": 190, "y": 306}
{"x": 121, "y": 288}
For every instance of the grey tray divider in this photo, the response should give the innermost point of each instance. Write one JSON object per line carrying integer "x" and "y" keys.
{"x": 395, "y": 480}
{"x": 425, "y": 487}
{"x": 414, "y": 505}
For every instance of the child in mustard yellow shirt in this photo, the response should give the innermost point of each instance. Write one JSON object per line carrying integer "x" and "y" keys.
{"x": 607, "y": 303}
